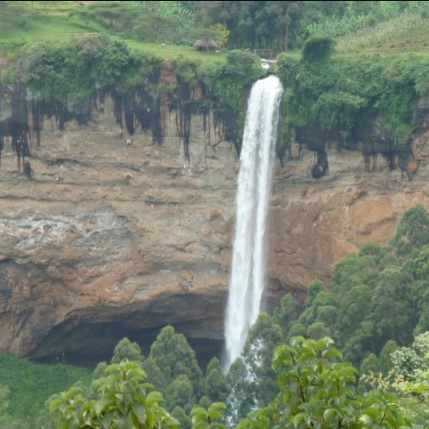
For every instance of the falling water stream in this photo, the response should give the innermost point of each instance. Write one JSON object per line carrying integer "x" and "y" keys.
{"x": 247, "y": 282}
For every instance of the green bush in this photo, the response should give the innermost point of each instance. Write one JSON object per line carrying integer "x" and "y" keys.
{"x": 318, "y": 48}
{"x": 72, "y": 70}
{"x": 342, "y": 94}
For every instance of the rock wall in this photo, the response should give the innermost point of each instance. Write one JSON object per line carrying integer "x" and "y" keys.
{"x": 114, "y": 236}
{"x": 118, "y": 236}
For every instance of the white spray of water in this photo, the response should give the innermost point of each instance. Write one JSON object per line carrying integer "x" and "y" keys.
{"x": 247, "y": 281}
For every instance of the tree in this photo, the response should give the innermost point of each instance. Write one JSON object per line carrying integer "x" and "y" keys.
{"x": 411, "y": 362}
{"x": 125, "y": 349}
{"x": 319, "y": 397}
{"x": 180, "y": 393}
{"x": 318, "y": 330}
{"x": 317, "y": 390}
{"x": 370, "y": 364}
{"x": 393, "y": 312}
{"x": 174, "y": 356}
{"x": 251, "y": 378}
{"x": 258, "y": 351}
{"x": 214, "y": 383}
{"x": 286, "y": 313}
{"x": 221, "y": 34}
{"x": 240, "y": 398}
{"x": 123, "y": 401}
{"x": 154, "y": 374}
{"x": 385, "y": 356}
{"x": 413, "y": 230}
{"x": 318, "y": 49}
{"x": 352, "y": 310}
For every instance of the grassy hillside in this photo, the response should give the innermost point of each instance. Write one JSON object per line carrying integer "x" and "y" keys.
{"x": 26, "y": 22}
{"x": 168, "y": 34}
{"x": 408, "y": 32}
{"x": 387, "y": 27}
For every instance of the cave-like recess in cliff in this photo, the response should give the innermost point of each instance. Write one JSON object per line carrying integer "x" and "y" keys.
{"x": 89, "y": 337}
{"x": 90, "y": 343}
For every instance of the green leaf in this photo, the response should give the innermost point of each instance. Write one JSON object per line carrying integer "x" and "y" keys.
{"x": 199, "y": 412}
{"x": 154, "y": 397}
{"x": 140, "y": 412}
{"x": 332, "y": 352}
{"x": 296, "y": 420}
{"x": 102, "y": 406}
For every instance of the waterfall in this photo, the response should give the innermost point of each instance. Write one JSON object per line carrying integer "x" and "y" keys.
{"x": 247, "y": 280}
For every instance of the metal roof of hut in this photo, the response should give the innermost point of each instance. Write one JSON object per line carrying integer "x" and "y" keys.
{"x": 205, "y": 44}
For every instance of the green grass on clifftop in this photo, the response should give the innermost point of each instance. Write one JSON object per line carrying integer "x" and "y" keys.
{"x": 22, "y": 23}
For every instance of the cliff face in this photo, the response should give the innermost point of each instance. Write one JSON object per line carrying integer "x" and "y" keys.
{"x": 118, "y": 236}
{"x": 113, "y": 237}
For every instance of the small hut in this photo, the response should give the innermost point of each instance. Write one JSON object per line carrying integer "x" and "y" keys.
{"x": 205, "y": 44}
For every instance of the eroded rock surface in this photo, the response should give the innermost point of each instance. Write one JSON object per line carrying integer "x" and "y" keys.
{"x": 113, "y": 239}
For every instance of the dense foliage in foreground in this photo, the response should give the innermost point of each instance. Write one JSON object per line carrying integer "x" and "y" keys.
{"x": 316, "y": 389}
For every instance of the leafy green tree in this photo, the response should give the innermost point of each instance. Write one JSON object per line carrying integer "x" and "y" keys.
{"x": 269, "y": 26}
{"x": 327, "y": 390}
{"x": 182, "y": 417}
{"x": 214, "y": 383}
{"x": 172, "y": 353}
{"x": 258, "y": 351}
{"x": 70, "y": 71}
{"x": 126, "y": 350}
{"x": 123, "y": 401}
{"x": 252, "y": 380}
{"x": 327, "y": 314}
{"x": 154, "y": 374}
{"x": 180, "y": 393}
{"x": 413, "y": 230}
{"x": 240, "y": 398}
{"x": 315, "y": 287}
{"x": 370, "y": 364}
{"x": 100, "y": 369}
{"x": 310, "y": 313}
{"x": 393, "y": 312}
{"x": 353, "y": 309}
{"x": 318, "y": 330}
{"x": 385, "y": 356}
{"x": 204, "y": 402}
{"x": 297, "y": 329}
{"x": 318, "y": 48}
{"x": 222, "y": 34}
{"x": 413, "y": 395}
{"x": 423, "y": 312}
{"x": 286, "y": 313}
{"x": 411, "y": 362}
{"x": 317, "y": 389}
